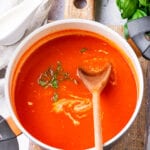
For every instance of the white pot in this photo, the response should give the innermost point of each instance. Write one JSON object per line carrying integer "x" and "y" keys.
{"x": 81, "y": 24}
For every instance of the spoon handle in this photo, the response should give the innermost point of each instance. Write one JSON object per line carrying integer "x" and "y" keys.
{"x": 97, "y": 121}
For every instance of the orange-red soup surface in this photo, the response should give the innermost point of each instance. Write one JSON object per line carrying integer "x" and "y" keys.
{"x": 60, "y": 113}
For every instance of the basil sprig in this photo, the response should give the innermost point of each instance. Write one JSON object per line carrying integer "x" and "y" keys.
{"x": 133, "y": 9}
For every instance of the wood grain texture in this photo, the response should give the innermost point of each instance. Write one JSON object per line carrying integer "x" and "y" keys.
{"x": 147, "y": 145}
{"x": 71, "y": 11}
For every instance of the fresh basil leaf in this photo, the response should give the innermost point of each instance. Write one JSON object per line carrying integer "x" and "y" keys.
{"x": 127, "y": 7}
{"x": 138, "y": 14}
{"x": 145, "y": 2}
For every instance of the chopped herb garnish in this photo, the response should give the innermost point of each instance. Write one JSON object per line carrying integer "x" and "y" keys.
{"x": 42, "y": 83}
{"x": 66, "y": 75}
{"x": 54, "y": 83}
{"x": 55, "y": 97}
{"x": 83, "y": 50}
{"x": 59, "y": 66}
{"x": 53, "y": 76}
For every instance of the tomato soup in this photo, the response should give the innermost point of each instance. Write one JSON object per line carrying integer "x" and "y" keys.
{"x": 53, "y": 104}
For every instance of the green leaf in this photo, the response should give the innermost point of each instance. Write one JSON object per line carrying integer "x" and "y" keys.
{"x": 138, "y": 14}
{"x": 54, "y": 83}
{"x": 127, "y": 7}
{"x": 145, "y": 2}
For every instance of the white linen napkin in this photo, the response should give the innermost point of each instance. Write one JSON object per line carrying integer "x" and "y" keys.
{"x": 39, "y": 18}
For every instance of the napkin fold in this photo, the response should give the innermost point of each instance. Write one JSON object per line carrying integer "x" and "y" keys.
{"x": 40, "y": 18}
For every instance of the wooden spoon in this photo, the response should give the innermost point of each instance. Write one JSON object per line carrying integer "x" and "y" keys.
{"x": 95, "y": 82}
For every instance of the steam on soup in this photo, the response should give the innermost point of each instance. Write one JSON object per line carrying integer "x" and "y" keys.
{"x": 51, "y": 101}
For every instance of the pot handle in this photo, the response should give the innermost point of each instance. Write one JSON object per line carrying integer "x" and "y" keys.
{"x": 8, "y": 128}
{"x": 137, "y": 32}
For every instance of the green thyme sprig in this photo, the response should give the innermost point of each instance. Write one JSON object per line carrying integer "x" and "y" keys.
{"x": 52, "y": 77}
